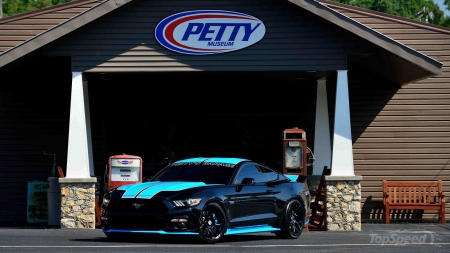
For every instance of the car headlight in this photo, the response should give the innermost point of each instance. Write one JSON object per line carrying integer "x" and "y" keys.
{"x": 107, "y": 197}
{"x": 187, "y": 202}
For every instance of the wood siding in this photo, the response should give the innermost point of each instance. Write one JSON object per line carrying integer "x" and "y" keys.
{"x": 19, "y": 28}
{"x": 401, "y": 134}
{"x": 295, "y": 39}
{"x": 33, "y": 118}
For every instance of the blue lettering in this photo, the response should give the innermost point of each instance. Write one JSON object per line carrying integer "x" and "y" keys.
{"x": 248, "y": 31}
{"x": 220, "y": 44}
{"x": 234, "y": 32}
{"x": 207, "y": 32}
{"x": 221, "y": 31}
{"x": 190, "y": 30}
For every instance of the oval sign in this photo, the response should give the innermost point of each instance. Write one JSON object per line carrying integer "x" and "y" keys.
{"x": 205, "y": 32}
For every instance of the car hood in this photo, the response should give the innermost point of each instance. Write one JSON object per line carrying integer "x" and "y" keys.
{"x": 150, "y": 189}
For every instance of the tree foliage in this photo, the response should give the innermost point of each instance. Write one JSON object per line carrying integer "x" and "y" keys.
{"x": 447, "y": 2}
{"x": 13, "y": 7}
{"x": 421, "y": 10}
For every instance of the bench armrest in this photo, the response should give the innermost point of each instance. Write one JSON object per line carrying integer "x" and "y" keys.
{"x": 385, "y": 197}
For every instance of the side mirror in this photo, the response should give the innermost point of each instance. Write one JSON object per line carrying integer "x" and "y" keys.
{"x": 248, "y": 181}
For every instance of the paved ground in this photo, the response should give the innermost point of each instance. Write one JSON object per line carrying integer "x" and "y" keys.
{"x": 374, "y": 237}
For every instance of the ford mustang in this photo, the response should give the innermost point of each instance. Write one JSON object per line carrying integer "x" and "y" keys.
{"x": 209, "y": 198}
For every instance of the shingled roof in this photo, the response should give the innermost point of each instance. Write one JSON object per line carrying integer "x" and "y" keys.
{"x": 25, "y": 33}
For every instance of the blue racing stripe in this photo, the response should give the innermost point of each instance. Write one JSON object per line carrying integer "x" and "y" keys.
{"x": 131, "y": 190}
{"x": 168, "y": 186}
{"x": 225, "y": 160}
{"x": 148, "y": 190}
{"x": 192, "y": 160}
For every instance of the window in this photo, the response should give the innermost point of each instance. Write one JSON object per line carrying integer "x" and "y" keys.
{"x": 251, "y": 171}
{"x": 269, "y": 174}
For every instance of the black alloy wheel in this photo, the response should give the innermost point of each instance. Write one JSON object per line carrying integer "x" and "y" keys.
{"x": 293, "y": 220}
{"x": 213, "y": 223}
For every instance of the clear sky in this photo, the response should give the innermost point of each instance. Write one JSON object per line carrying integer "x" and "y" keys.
{"x": 443, "y": 7}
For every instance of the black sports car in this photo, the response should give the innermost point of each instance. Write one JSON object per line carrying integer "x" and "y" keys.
{"x": 211, "y": 198}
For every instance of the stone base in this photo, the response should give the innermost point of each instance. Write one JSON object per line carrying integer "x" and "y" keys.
{"x": 343, "y": 203}
{"x": 77, "y": 202}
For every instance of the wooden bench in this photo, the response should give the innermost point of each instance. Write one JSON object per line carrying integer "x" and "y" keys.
{"x": 406, "y": 195}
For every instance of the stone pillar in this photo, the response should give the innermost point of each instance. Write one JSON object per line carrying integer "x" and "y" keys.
{"x": 342, "y": 187}
{"x": 343, "y": 203}
{"x": 77, "y": 203}
{"x": 78, "y": 187}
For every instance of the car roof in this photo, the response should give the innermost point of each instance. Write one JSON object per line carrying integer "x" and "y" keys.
{"x": 227, "y": 160}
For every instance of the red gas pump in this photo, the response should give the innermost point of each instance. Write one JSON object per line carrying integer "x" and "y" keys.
{"x": 297, "y": 157}
{"x": 123, "y": 169}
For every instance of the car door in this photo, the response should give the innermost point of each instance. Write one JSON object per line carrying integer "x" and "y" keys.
{"x": 254, "y": 203}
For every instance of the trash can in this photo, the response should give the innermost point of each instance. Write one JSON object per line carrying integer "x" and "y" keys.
{"x": 54, "y": 202}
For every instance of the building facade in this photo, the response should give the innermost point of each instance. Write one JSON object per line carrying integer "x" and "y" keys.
{"x": 88, "y": 79}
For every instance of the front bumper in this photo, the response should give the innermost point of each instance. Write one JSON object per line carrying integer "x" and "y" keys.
{"x": 161, "y": 218}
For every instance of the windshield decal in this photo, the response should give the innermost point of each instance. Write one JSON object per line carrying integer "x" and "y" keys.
{"x": 229, "y": 165}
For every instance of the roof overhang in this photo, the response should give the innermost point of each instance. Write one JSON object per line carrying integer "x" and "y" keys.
{"x": 60, "y": 30}
{"x": 399, "y": 63}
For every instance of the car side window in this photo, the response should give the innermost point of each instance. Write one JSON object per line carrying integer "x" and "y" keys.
{"x": 269, "y": 174}
{"x": 250, "y": 171}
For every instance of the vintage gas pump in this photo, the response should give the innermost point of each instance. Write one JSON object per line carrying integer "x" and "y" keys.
{"x": 123, "y": 169}
{"x": 296, "y": 155}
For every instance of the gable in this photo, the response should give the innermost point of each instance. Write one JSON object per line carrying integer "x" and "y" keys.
{"x": 295, "y": 40}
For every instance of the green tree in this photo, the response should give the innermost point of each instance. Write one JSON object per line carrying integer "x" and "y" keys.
{"x": 13, "y": 7}
{"x": 421, "y": 10}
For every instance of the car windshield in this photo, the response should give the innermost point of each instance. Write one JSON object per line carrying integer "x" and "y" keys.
{"x": 209, "y": 174}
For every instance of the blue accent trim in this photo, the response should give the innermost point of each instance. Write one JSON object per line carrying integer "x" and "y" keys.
{"x": 251, "y": 229}
{"x": 150, "y": 189}
{"x": 192, "y": 160}
{"x": 168, "y": 186}
{"x": 291, "y": 177}
{"x": 230, "y": 231}
{"x": 161, "y": 232}
{"x": 225, "y": 160}
{"x": 134, "y": 189}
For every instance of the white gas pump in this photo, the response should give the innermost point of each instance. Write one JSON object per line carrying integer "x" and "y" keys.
{"x": 123, "y": 169}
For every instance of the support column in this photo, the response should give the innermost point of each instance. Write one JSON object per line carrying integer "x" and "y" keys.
{"x": 78, "y": 187}
{"x": 342, "y": 187}
{"x": 342, "y": 160}
{"x": 322, "y": 141}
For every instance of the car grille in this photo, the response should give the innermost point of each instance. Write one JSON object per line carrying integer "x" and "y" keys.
{"x": 137, "y": 206}
{"x": 137, "y": 222}
{"x": 137, "y": 214}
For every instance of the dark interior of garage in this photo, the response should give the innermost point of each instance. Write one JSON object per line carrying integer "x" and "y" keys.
{"x": 166, "y": 117}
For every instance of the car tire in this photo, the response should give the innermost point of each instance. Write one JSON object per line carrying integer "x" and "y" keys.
{"x": 212, "y": 223}
{"x": 120, "y": 237}
{"x": 293, "y": 220}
